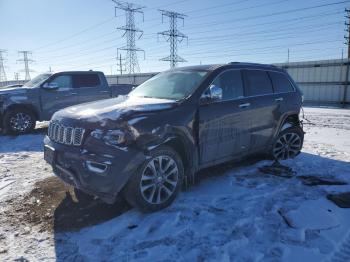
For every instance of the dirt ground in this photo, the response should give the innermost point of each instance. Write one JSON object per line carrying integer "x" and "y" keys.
{"x": 52, "y": 206}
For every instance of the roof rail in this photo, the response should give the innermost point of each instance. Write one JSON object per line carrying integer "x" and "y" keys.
{"x": 252, "y": 64}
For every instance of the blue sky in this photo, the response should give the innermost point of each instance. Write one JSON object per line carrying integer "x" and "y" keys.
{"x": 82, "y": 34}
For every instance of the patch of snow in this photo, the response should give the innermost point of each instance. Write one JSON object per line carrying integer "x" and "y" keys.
{"x": 232, "y": 215}
{"x": 317, "y": 214}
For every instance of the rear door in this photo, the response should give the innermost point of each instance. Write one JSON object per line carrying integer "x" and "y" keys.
{"x": 89, "y": 87}
{"x": 284, "y": 91}
{"x": 263, "y": 110}
{"x": 223, "y": 128}
{"x": 63, "y": 96}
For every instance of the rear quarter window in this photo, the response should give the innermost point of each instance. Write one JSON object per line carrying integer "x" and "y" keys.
{"x": 280, "y": 82}
{"x": 86, "y": 80}
{"x": 257, "y": 82}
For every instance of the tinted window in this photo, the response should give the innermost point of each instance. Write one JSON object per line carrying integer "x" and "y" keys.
{"x": 86, "y": 80}
{"x": 63, "y": 81}
{"x": 280, "y": 82}
{"x": 231, "y": 84}
{"x": 257, "y": 82}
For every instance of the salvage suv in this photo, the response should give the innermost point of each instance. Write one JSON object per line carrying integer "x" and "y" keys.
{"x": 38, "y": 99}
{"x": 143, "y": 146}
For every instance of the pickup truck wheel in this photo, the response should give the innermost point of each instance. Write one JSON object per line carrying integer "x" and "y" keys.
{"x": 157, "y": 181}
{"x": 288, "y": 143}
{"x": 19, "y": 121}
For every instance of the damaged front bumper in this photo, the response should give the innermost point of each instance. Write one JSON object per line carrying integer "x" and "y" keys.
{"x": 102, "y": 174}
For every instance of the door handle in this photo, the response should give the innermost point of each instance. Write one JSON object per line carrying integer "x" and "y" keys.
{"x": 104, "y": 91}
{"x": 74, "y": 94}
{"x": 280, "y": 99}
{"x": 244, "y": 105}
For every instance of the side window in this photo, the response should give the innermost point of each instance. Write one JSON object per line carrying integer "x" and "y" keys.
{"x": 63, "y": 81}
{"x": 280, "y": 82}
{"x": 86, "y": 80}
{"x": 231, "y": 84}
{"x": 257, "y": 82}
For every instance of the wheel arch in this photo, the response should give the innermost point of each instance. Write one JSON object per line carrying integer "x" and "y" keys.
{"x": 187, "y": 153}
{"x": 27, "y": 107}
{"x": 289, "y": 120}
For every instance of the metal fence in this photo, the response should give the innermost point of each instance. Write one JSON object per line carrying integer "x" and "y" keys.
{"x": 322, "y": 82}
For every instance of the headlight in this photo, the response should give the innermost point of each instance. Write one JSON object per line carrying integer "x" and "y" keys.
{"x": 110, "y": 137}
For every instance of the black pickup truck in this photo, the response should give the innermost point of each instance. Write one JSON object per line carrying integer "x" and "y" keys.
{"x": 40, "y": 98}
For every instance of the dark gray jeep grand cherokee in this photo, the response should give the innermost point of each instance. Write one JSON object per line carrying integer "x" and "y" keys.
{"x": 146, "y": 144}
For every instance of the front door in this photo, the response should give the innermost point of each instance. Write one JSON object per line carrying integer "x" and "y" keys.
{"x": 63, "y": 96}
{"x": 223, "y": 128}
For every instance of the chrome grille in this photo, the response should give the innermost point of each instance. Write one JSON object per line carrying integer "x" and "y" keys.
{"x": 65, "y": 134}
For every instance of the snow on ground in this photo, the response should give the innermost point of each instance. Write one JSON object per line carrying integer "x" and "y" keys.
{"x": 235, "y": 213}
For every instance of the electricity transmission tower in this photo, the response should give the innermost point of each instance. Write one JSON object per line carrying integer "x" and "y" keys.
{"x": 347, "y": 37}
{"x": 2, "y": 67}
{"x": 174, "y": 36}
{"x": 26, "y": 62}
{"x": 130, "y": 32}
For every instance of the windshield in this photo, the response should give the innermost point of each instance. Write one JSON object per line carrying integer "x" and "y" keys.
{"x": 173, "y": 85}
{"x": 38, "y": 80}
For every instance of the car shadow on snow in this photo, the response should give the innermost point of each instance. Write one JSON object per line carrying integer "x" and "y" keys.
{"x": 32, "y": 142}
{"x": 70, "y": 217}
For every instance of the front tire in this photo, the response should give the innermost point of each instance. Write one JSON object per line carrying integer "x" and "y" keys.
{"x": 19, "y": 121}
{"x": 157, "y": 181}
{"x": 288, "y": 143}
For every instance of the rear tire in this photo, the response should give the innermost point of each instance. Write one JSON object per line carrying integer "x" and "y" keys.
{"x": 288, "y": 143}
{"x": 157, "y": 182}
{"x": 19, "y": 121}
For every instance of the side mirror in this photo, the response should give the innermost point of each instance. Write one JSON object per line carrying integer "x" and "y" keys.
{"x": 51, "y": 85}
{"x": 212, "y": 94}
{"x": 216, "y": 92}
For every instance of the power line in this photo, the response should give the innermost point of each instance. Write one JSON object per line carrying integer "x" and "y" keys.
{"x": 130, "y": 31}
{"x": 26, "y": 62}
{"x": 99, "y": 43}
{"x": 2, "y": 68}
{"x": 174, "y": 36}
{"x": 218, "y": 24}
{"x": 266, "y": 15}
{"x": 75, "y": 34}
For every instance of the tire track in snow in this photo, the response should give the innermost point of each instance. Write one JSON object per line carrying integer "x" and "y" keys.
{"x": 342, "y": 254}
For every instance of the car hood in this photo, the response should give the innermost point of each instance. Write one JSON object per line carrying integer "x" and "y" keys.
{"x": 113, "y": 109}
{"x": 13, "y": 90}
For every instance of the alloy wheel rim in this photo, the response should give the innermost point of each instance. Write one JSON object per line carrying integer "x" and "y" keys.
{"x": 159, "y": 180}
{"x": 20, "y": 122}
{"x": 287, "y": 146}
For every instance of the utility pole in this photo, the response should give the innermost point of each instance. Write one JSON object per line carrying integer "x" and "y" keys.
{"x": 288, "y": 56}
{"x": 174, "y": 36}
{"x": 16, "y": 76}
{"x": 347, "y": 38}
{"x": 26, "y": 62}
{"x": 2, "y": 67}
{"x": 347, "y": 24}
{"x": 120, "y": 67}
{"x": 130, "y": 32}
